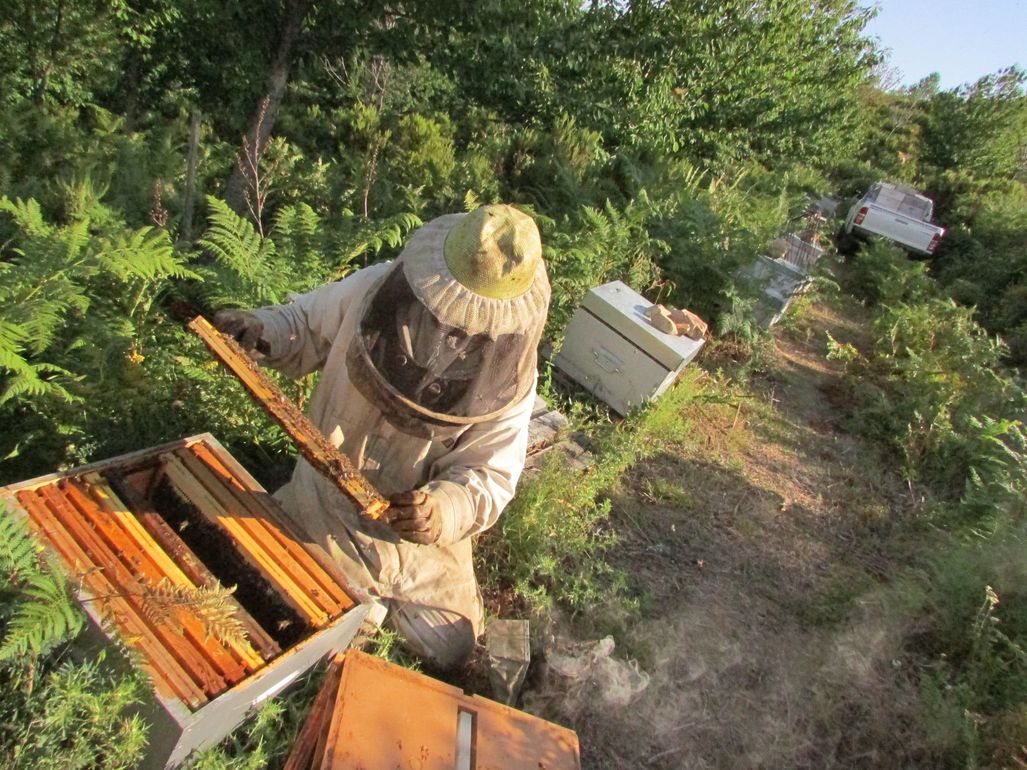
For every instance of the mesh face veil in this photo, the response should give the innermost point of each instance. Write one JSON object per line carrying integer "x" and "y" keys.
{"x": 430, "y": 348}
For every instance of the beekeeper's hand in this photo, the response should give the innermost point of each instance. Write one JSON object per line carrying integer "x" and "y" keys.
{"x": 415, "y": 516}
{"x": 244, "y": 326}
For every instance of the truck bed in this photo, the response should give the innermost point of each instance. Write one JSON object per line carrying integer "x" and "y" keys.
{"x": 871, "y": 219}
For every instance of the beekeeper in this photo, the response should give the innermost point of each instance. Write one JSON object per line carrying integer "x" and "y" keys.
{"x": 428, "y": 381}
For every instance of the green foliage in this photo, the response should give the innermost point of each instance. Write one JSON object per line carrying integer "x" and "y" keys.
{"x": 930, "y": 389}
{"x": 882, "y": 274}
{"x": 598, "y": 246}
{"x": 300, "y": 253}
{"x": 549, "y": 544}
{"x": 36, "y": 610}
{"x": 978, "y": 128}
{"x": 268, "y": 737}
{"x": 973, "y": 622}
{"x": 76, "y": 718}
{"x": 54, "y": 274}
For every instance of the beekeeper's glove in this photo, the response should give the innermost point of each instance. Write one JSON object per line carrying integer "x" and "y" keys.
{"x": 244, "y": 326}
{"x": 415, "y": 516}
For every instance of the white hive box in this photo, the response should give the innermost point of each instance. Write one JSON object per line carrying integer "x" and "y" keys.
{"x": 611, "y": 349}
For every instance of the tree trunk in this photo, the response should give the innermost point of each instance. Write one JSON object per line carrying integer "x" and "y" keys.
{"x": 186, "y": 230}
{"x": 277, "y": 81}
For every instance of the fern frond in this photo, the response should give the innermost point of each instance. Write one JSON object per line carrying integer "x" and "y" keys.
{"x": 28, "y": 381}
{"x": 245, "y": 272}
{"x": 300, "y": 242}
{"x": 27, "y": 215}
{"x": 145, "y": 253}
{"x": 386, "y": 233}
{"x": 45, "y": 617}
{"x": 234, "y": 242}
{"x": 209, "y": 605}
{"x": 19, "y": 552}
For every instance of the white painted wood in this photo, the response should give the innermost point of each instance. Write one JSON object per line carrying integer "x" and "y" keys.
{"x": 612, "y": 350}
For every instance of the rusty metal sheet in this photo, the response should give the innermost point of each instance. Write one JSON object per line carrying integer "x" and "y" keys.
{"x": 310, "y": 442}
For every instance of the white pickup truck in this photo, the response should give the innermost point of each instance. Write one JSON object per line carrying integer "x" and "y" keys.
{"x": 898, "y": 213}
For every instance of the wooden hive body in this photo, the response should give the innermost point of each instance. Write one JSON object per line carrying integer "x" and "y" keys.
{"x": 375, "y": 714}
{"x": 183, "y": 516}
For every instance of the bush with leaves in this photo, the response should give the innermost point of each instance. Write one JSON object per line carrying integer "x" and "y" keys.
{"x": 549, "y": 544}
{"x": 77, "y": 717}
{"x": 881, "y": 273}
{"x": 930, "y": 388}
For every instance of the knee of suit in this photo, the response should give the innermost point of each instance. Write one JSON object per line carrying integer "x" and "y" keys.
{"x": 442, "y": 637}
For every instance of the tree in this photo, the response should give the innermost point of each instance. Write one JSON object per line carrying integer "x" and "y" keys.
{"x": 981, "y": 128}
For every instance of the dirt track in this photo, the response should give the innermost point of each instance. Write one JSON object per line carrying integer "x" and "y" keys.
{"x": 753, "y": 541}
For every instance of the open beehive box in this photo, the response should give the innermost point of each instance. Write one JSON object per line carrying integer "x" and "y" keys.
{"x": 371, "y": 715}
{"x": 144, "y": 535}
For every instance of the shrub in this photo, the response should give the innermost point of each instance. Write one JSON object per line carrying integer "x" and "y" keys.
{"x": 882, "y": 274}
{"x": 929, "y": 389}
{"x": 549, "y": 544}
{"x": 971, "y": 625}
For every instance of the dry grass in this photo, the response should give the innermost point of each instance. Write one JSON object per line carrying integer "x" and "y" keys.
{"x": 759, "y": 541}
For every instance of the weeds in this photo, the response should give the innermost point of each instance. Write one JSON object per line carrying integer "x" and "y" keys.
{"x": 930, "y": 388}
{"x": 550, "y": 543}
{"x": 76, "y": 714}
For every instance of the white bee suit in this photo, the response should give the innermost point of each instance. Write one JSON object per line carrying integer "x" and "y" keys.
{"x": 472, "y": 469}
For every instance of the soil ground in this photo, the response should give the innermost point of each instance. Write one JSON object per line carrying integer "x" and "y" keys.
{"x": 754, "y": 542}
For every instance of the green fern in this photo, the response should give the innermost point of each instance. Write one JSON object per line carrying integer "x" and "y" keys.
{"x": 40, "y": 613}
{"x": 299, "y": 253}
{"x": 144, "y": 253}
{"x": 66, "y": 289}
{"x": 44, "y": 617}
{"x": 373, "y": 237}
{"x": 244, "y": 267}
{"x": 19, "y": 553}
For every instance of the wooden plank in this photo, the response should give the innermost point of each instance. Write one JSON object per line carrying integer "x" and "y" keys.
{"x": 190, "y": 564}
{"x": 252, "y": 525}
{"x": 281, "y": 518}
{"x": 122, "y": 462}
{"x": 308, "y": 749}
{"x": 132, "y": 589}
{"x": 270, "y": 519}
{"x": 251, "y": 550}
{"x": 168, "y": 676}
{"x": 115, "y": 521}
{"x": 310, "y": 442}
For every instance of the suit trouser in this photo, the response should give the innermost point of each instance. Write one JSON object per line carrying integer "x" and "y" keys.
{"x": 442, "y": 637}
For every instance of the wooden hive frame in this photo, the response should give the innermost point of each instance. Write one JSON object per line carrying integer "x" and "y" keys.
{"x": 102, "y": 525}
{"x": 371, "y": 713}
{"x": 311, "y": 443}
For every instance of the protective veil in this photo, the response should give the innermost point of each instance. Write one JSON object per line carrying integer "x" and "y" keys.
{"x": 432, "y": 352}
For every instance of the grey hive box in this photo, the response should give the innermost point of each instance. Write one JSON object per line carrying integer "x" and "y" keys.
{"x": 611, "y": 349}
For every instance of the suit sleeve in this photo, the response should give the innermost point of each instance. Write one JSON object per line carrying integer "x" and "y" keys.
{"x": 300, "y": 333}
{"x": 476, "y": 480}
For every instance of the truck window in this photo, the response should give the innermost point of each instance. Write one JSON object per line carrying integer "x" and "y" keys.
{"x": 916, "y": 207}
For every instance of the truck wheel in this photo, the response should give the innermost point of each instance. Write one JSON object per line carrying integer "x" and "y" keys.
{"x": 846, "y": 243}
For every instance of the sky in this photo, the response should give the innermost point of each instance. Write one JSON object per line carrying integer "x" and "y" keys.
{"x": 960, "y": 39}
